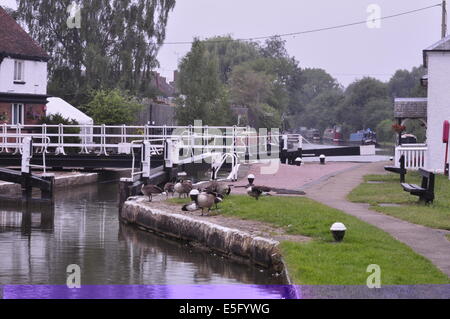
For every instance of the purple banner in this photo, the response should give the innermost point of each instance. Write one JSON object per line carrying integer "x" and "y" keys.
{"x": 223, "y": 292}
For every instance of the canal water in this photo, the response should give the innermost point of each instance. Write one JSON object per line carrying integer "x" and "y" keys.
{"x": 37, "y": 246}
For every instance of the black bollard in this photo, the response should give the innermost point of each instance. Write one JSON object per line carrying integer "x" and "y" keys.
{"x": 251, "y": 179}
{"x": 322, "y": 159}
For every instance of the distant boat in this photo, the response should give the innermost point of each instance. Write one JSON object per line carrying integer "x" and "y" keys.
{"x": 312, "y": 134}
{"x": 333, "y": 134}
{"x": 408, "y": 139}
{"x": 364, "y": 137}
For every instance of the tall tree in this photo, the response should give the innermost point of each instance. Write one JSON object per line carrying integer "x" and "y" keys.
{"x": 366, "y": 104}
{"x": 406, "y": 83}
{"x": 204, "y": 97}
{"x": 230, "y": 53}
{"x": 115, "y": 46}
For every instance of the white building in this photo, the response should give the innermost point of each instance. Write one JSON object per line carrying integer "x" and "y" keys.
{"x": 437, "y": 61}
{"x": 433, "y": 111}
{"x": 23, "y": 74}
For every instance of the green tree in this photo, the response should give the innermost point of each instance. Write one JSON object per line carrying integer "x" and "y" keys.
{"x": 321, "y": 112}
{"x": 204, "y": 97}
{"x": 265, "y": 116}
{"x": 384, "y": 131}
{"x": 366, "y": 103}
{"x": 249, "y": 87}
{"x": 406, "y": 83}
{"x": 112, "y": 107}
{"x": 230, "y": 53}
{"x": 116, "y": 45}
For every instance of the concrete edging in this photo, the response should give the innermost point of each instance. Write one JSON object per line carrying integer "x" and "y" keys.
{"x": 233, "y": 243}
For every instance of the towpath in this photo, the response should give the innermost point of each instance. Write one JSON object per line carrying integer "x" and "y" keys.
{"x": 333, "y": 191}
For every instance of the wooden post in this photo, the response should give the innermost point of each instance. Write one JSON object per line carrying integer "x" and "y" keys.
{"x": 444, "y": 19}
{"x": 124, "y": 192}
{"x": 49, "y": 194}
{"x": 27, "y": 190}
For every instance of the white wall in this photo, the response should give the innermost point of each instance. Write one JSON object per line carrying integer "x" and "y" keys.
{"x": 35, "y": 77}
{"x": 438, "y": 107}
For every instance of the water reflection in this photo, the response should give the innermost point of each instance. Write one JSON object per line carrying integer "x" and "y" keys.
{"x": 26, "y": 216}
{"x": 38, "y": 243}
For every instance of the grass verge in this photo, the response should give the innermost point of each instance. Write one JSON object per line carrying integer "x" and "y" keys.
{"x": 436, "y": 215}
{"x": 322, "y": 261}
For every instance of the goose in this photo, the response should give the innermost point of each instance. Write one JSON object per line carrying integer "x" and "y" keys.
{"x": 257, "y": 191}
{"x": 207, "y": 200}
{"x": 148, "y": 190}
{"x": 169, "y": 188}
{"x": 251, "y": 179}
{"x": 183, "y": 187}
{"x": 194, "y": 205}
{"x": 219, "y": 188}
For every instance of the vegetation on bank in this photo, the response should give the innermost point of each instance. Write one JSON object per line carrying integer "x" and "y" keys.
{"x": 324, "y": 262}
{"x": 387, "y": 190}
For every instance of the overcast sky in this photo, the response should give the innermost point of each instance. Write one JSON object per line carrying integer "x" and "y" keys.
{"x": 347, "y": 54}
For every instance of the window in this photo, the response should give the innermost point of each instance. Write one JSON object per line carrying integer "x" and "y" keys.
{"x": 19, "y": 68}
{"x": 17, "y": 114}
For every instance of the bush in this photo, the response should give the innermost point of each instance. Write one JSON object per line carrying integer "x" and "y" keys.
{"x": 56, "y": 119}
{"x": 112, "y": 107}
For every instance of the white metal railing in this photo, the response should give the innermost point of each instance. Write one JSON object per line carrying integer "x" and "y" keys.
{"x": 415, "y": 155}
{"x": 104, "y": 139}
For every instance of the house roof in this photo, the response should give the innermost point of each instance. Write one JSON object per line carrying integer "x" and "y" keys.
{"x": 442, "y": 45}
{"x": 16, "y": 43}
{"x": 414, "y": 107}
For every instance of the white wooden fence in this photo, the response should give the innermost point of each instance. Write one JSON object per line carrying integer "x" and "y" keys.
{"x": 415, "y": 155}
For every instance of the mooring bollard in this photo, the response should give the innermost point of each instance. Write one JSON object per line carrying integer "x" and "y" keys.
{"x": 322, "y": 159}
{"x": 338, "y": 231}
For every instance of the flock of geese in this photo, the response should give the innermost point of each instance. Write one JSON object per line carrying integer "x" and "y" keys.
{"x": 204, "y": 195}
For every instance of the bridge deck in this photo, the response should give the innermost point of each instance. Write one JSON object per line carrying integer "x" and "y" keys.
{"x": 16, "y": 177}
{"x": 80, "y": 160}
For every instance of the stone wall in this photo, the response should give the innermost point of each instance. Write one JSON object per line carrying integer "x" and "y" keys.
{"x": 229, "y": 242}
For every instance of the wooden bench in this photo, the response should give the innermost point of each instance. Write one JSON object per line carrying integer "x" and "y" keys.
{"x": 426, "y": 190}
{"x": 399, "y": 170}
